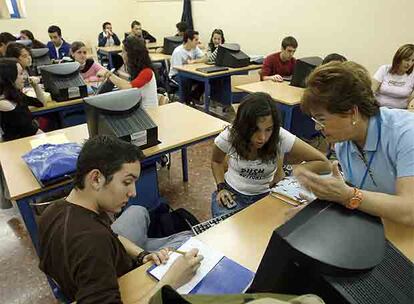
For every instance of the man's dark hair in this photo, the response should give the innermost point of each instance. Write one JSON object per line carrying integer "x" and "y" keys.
{"x": 14, "y": 50}
{"x": 135, "y": 22}
{"x": 182, "y": 26}
{"x": 289, "y": 41}
{"x": 189, "y": 35}
{"x": 105, "y": 24}
{"x": 6, "y": 37}
{"x": 333, "y": 57}
{"x": 54, "y": 29}
{"x": 107, "y": 154}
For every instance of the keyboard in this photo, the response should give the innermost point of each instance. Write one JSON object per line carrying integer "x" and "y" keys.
{"x": 212, "y": 69}
{"x": 199, "y": 228}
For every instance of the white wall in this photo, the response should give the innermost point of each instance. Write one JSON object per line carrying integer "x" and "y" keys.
{"x": 366, "y": 31}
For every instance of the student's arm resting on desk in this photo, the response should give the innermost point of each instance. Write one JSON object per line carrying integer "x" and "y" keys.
{"x": 142, "y": 79}
{"x": 34, "y": 82}
{"x": 267, "y": 70}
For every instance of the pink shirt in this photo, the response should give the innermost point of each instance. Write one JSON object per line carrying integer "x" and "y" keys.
{"x": 90, "y": 75}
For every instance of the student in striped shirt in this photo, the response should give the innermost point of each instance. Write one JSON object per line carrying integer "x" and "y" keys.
{"x": 217, "y": 38}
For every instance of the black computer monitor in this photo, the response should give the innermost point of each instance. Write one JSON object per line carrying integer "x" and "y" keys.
{"x": 39, "y": 57}
{"x": 170, "y": 43}
{"x": 339, "y": 254}
{"x": 303, "y": 68}
{"x": 63, "y": 81}
{"x": 119, "y": 113}
{"x": 230, "y": 55}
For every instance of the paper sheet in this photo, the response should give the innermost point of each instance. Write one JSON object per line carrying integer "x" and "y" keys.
{"x": 211, "y": 258}
{"x": 53, "y": 139}
{"x": 290, "y": 187}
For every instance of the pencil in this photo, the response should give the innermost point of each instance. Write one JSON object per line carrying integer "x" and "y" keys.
{"x": 179, "y": 251}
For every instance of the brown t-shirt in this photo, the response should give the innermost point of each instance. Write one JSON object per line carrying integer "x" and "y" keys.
{"x": 82, "y": 254}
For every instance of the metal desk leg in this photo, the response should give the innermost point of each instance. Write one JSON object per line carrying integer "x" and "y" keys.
{"x": 287, "y": 112}
{"x": 110, "y": 61}
{"x": 207, "y": 95}
{"x": 184, "y": 162}
{"x": 29, "y": 220}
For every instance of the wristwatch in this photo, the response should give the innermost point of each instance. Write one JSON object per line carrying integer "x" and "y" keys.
{"x": 139, "y": 260}
{"x": 221, "y": 186}
{"x": 355, "y": 200}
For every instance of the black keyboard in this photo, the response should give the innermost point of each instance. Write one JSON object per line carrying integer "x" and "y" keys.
{"x": 199, "y": 228}
{"x": 212, "y": 69}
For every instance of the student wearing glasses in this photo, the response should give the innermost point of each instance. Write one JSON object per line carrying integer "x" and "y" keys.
{"x": 374, "y": 145}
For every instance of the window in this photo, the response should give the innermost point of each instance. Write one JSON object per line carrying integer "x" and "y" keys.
{"x": 13, "y": 8}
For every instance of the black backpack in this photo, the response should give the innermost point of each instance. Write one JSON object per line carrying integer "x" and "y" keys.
{"x": 165, "y": 221}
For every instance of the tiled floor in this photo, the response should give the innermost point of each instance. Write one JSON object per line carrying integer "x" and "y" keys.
{"x": 22, "y": 282}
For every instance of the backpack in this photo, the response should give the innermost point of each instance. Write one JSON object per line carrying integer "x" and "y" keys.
{"x": 164, "y": 221}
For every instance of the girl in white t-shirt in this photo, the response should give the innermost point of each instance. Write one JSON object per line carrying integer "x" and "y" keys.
{"x": 255, "y": 146}
{"x": 393, "y": 85}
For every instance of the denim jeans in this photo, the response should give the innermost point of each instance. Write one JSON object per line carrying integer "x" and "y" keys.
{"x": 242, "y": 201}
{"x": 133, "y": 224}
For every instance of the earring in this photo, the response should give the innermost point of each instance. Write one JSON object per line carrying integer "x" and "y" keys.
{"x": 354, "y": 123}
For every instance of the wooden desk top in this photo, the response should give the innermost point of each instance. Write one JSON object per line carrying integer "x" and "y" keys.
{"x": 177, "y": 125}
{"x": 244, "y": 238}
{"x": 191, "y": 68}
{"x": 54, "y": 104}
{"x": 118, "y": 48}
{"x": 279, "y": 91}
{"x": 159, "y": 57}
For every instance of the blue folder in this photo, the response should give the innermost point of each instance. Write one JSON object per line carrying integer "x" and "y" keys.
{"x": 227, "y": 277}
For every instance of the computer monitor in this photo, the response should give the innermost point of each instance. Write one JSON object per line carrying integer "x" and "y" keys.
{"x": 339, "y": 254}
{"x": 230, "y": 55}
{"x": 303, "y": 68}
{"x": 63, "y": 81}
{"x": 120, "y": 114}
{"x": 26, "y": 42}
{"x": 40, "y": 57}
{"x": 170, "y": 43}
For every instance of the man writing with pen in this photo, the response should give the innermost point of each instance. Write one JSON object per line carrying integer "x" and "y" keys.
{"x": 80, "y": 249}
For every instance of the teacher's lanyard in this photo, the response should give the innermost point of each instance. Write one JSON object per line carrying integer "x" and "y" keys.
{"x": 369, "y": 163}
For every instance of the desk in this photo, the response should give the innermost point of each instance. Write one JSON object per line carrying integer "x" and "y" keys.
{"x": 287, "y": 96}
{"x": 244, "y": 238}
{"x": 189, "y": 71}
{"x": 108, "y": 51}
{"x": 190, "y": 127}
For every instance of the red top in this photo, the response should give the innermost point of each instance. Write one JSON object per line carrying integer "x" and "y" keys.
{"x": 142, "y": 79}
{"x": 273, "y": 65}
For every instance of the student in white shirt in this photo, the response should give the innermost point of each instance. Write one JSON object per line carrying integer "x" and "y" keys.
{"x": 188, "y": 53}
{"x": 255, "y": 145}
{"x": 393, "y": 85}
{"x": 108, "y": 37}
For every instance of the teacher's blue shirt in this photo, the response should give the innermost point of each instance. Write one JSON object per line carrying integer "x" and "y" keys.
{"x": 390, "y": 138}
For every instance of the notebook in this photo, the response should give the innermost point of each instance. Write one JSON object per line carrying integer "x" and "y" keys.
{"x": 291, "y": 188}
{"x": 214, "y": 270}
{"x": 212, "y": 69}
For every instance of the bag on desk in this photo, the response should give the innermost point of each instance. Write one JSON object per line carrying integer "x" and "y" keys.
{"x": 165, "y": 221}
{"x": 52, "y": 163}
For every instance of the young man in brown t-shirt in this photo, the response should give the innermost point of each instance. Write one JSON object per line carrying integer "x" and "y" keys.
{"x": 280, "y": 64}
{"x": 78, "y": 248}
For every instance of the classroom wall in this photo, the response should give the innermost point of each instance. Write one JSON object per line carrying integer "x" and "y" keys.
{"x": 368, "y": 31}
{"x": 78, "y": 19}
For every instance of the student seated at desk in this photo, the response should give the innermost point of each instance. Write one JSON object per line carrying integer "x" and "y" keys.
{"x": 16, "y": 118}
{"x": 89, "y": 68}
{"x": 182, "y": 27}
{"x": 139, "y": 67}
{"x": 23, "y": 56}
{"x": 58, "y": 47}
{"x": 394, "y": 84}
{"x": 107, "y": 37}
{"x": 280, "y": 64}
{"x": 217, "y": 38}
{"x": 5, "y": 39}
{"x": 374, "y": 145}
{"x": 28, "y": 35}
{"x": 78, "y": 247}
{"x": 188, "y": 53}
{"x": 256, "y": 145}
{"x": 137, "y": 31}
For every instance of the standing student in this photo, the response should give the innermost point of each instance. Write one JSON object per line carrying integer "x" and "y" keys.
{"x": 374, "y": 145}
{"x": 394, "y": 84}
{"x": 80, "y": 249}
{"x": 5, "y": 39}
{"x": 217, "y": 38}
{"x": 58, "y": 47}
{"x": 182, "y": 27}
{"x": 255, "y": 145}
{"x": 16, "y": 118}
{"x": 108, "y": 37}
{"x": 139, "y": 67}
{"x": 280, "y": 64}
{"x": 137, "y": 31}
{"x": 188, "y": 53}
{"x": 89, "y": 68}
{"x": 28, "y": 35}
